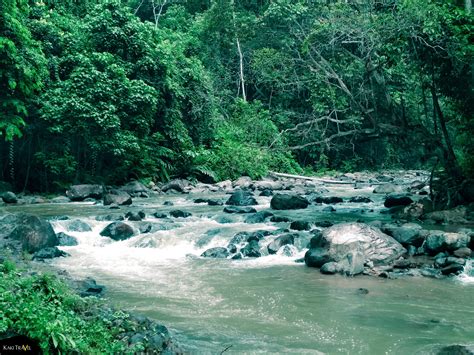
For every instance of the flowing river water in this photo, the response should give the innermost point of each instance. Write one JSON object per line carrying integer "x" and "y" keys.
{"x": 270, "y": 304}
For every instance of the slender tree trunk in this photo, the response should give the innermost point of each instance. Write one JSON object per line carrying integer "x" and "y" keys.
{"x": 451, "y": 161}
{"x": 241, "y": 64}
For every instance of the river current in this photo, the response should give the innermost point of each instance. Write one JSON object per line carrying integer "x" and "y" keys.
{"x": 270, "y": 304}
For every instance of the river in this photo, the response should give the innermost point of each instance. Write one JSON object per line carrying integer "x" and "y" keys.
{"x": 270, "y": 304}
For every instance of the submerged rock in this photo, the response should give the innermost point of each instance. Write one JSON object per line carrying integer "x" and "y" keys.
{"x": 239, "y": 210}
{"x": 360, "y": 199}
{"x": 280, "y": 241}
{"x": 288, "y": 202}
{"x": 76, "y": 225}
{"x": 328, "y": 200}
{"x": 180, "y": 214}
{"x": 388, "y": 189}
{"x": 300, "y": 225}
{"x": 258, "y": 217}
{"x": 118, "y": 231}
{"x": 217, "y": 253}
{"x": 457, "y": 350}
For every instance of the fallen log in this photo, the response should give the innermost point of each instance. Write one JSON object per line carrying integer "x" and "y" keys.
{"x": 325, "y": 181}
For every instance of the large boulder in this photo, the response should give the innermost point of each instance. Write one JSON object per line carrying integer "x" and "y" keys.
{"x": 280, "y": 241}
{"x": 66, "y": 240}
{"x": 81, "y": 192}
{"x": 118, "y": 231}
{"x": 241, "y": 198}
{"x": 9, "y": 197}
{"x": 350, "y": 245}
{"x": 288, "y": 202}
{"x": 117, "y": 197}
{"x": 32, "y": 232}
{"x": 439, "y": 241}
{"x": 135, "y": 189}
{"x": 394, "y": 200}
{"x": 329, "y": 200}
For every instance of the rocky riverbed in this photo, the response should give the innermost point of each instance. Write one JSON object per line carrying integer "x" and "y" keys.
{"x": 380, "y": 225}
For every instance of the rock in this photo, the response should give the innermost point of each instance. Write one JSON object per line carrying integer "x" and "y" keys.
{"x": 160, "y": 215}
{"x": 288, "y": 202}
{"x": 407, "y": 234}
{"x": 180, "y": 214}
{"x": 239, "y": 238}
{"x": 237, "y": 256}
{"x": 454, "y": 269}
{"x": 32, "y": 232}
{"x": 455, "y": 215}
{"x": 330, "y": 268}
{"x": 135, "y": 216}
{"x": 300, "y": 225}
{"x": 351, "y": 245}
{"x": 88, "y": 287}
{"x": 281, "y": 241}
{"x": 177, "y": 185}
{"x": 258, "y": 217}
{"x": 329, "y": 209}
{"x": 239, "y": 210}
{"x": 463, "y": 253}
{"x": 244, "y": 182}
{"x": 110, "y": 217}
{"x": 360, "y": 199}
{"x": 223, "y": 220}
{"x": 278, "y": 219}
{"x": 60, "y": 199}
{"x": 225, "y": 185}
{"x": 81, "y": 192}
{"x": 251, "y": 250}
{"x": 388, "y": 189}
{"x": 9, "y": 197}
{"x": 456, "y": 350}
{"x": 135, "y": 189}
{"x": 323, "y": 224}
{"x": 217, "y": 253}
{"x": 76, "y": 225}
{"x": 241, "y": 198}
{"x": 118, "y": 231}
{"x": 438, "y": 241}
{"x": 268, "y": 185}
{"x": 362, "y": 291}
{"x": 328, "y": 200}
{"x": 66, "y": 240}
{"x": 168, "y": 203}
{"x": 49, "y": 253}
{"x": 232, "y": 248}
{"x": 266, "y": 193}
{"x": 394, "y": 200}
{"x": 117, "y": 197}
{"x": 209, "y": 201}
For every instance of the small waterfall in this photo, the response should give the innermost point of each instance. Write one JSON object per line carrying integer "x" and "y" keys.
{"x": 467, "y": 275}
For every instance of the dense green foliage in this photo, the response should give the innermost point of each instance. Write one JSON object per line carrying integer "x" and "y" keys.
{"x": 115, "y": 90}
{"x": 44, "y": 309}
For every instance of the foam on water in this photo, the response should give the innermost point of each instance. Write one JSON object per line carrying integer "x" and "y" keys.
{"x": 468, "y": 274}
